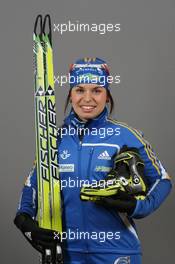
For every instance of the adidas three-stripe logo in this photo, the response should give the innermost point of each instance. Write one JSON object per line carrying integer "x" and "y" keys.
{"x": 104, "y": 155}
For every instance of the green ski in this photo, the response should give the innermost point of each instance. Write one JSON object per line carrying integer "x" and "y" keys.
{"x": 49, "y": 201}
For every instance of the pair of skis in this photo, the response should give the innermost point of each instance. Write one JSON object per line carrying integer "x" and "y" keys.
{"x": 49, "y": 201}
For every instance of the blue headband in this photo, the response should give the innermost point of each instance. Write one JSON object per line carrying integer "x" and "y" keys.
{"x": 89, "y": 70}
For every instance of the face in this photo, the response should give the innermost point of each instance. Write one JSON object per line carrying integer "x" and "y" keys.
{"x": 88, "y": 100}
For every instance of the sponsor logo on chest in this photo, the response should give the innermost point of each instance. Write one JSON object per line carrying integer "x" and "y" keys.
{"x": 66, "y": 168}
{"x": 104, "y": 155}
{"x": 65, "y": 154}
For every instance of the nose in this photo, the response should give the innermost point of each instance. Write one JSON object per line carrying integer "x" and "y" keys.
{"x": 87, "y": 96}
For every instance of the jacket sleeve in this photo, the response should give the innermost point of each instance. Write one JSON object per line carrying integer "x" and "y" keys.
{"x": 153, "y": 200}
{"x": 28, "y": 200}
{"x": 159, "y": 183}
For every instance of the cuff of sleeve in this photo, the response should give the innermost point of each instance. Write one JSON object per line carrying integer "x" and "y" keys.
{"x": 138, "y": 205}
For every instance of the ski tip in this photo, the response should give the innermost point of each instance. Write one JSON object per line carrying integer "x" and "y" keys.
{"x": 38, "y": 23}
{"x": 47, "y": 16}
{"x": 47, "y": 28}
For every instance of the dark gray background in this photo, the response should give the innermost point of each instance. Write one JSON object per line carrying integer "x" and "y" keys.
{"x": 142, "y": 53}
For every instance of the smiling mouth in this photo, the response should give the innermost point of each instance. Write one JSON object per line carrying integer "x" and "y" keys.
{"x": 87, "y": 107}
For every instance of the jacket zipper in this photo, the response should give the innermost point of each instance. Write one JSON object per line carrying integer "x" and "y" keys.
{"x": 89, "y": 163}
{"x": 79, "y": 169}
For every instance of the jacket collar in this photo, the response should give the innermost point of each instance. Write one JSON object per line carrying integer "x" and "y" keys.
{"x": 73, "y": 119}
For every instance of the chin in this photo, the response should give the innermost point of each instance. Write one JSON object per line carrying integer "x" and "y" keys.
{"x": 89, "y": 116}
{"x": 86, "y": 116}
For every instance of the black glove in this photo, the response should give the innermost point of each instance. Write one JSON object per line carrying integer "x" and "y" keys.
{"x": 39, "y": 238}
{"x": 129, "y": 169}
{"x": 122, "y": 202}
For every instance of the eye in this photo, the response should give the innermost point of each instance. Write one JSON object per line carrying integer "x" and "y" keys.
{"x": 97, "y": 90}
{"x": 79, "y": 90}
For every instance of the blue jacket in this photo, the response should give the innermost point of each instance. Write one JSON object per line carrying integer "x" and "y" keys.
{"x": 90, "y": 227}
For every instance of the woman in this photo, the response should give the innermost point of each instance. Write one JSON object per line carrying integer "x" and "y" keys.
{"x": 98, "y": 230}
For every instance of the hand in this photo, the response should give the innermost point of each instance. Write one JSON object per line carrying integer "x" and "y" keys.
{"x": 122, "y": 202}
{"x": 127, "y": 175}
{"x": 39, "y": 238}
